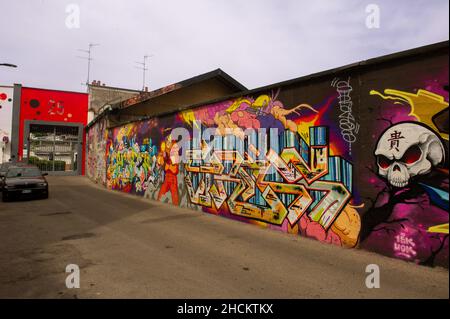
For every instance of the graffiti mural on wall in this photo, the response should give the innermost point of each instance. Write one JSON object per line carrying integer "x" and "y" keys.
{"x": 265, "y": 164}
{"x": 359, "y": 159}
{"x": 141, "y": 158}
{"x": 96, "y": 157}
{"x": 252, "y": 159}
{"x": 130, "y": 157}
{"x": 409, "y": 218}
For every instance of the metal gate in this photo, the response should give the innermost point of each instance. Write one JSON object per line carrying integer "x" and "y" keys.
{"x": 54, "y": 148}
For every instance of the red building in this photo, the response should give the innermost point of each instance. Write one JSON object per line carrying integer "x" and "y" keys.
{"x": 48, "y": 129}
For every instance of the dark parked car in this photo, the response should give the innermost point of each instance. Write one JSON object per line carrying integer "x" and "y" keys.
{"x": 23, "y": 181}
{"x": 4, "y": 167}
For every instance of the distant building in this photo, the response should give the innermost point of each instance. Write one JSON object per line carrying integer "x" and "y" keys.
{"x": 101, "y": 96}
{"x": 48, "y": 129}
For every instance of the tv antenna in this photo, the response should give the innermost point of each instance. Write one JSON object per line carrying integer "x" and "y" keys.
{"x": 89, "y": 59}
{"x": 143, "y": 67}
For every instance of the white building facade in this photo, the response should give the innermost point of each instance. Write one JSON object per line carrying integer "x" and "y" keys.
{"x": 6, "y": 111}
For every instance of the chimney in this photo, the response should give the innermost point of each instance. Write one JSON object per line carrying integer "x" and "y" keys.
{"x": 146, "y": 89}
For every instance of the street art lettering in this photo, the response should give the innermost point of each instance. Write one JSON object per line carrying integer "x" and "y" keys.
{"x": 404, "y": 246}
{"x": 289, "y": 196}
{"x": 347, "y": 122}
{"x": 409, "y": 217}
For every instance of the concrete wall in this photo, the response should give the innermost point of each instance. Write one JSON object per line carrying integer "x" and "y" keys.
{"x": 356, "y": 158}
{"x": 96, "y": 139}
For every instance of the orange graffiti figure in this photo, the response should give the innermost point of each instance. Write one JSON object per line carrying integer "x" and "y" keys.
{"x": 169, "y": 159}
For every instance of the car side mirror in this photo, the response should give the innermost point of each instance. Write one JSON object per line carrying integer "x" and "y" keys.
{"x": 44, "y": 174}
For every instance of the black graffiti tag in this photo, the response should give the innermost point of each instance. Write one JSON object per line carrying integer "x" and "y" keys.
{"x": 347, "y": 122}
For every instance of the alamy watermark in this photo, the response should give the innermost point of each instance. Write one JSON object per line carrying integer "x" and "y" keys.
{"x": 373, "y": 16}
{"x": 73, "y": 16}
{"x": 73, "y": 279}
{"x": 373, "y": 279}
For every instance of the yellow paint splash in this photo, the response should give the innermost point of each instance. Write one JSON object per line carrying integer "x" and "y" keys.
{"x": 261, "y": 102}
{"x": 233, "y": 107}
{"x": 424, "y": 104}
{"x": 440, "y": 229}
{"x": 188, "y": 117}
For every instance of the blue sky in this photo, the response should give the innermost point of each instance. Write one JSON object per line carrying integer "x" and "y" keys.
{"x": 258, "y": 42}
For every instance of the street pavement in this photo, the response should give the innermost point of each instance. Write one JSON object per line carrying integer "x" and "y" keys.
{"x": 130, "y": 247}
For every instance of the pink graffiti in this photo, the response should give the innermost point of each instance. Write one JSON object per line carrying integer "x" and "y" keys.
{"x": 404, "y": 246}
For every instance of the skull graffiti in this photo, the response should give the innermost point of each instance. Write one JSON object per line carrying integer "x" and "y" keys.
{"x": 407, "y": 150}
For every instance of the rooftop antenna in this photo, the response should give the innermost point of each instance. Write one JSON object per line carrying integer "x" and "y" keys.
{"x": 89, "y": 59}
{"x": 143, "y": 67}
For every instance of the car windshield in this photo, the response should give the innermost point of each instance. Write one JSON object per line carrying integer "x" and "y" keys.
{"x": 23, "y": 172}
{"x": 4, "y": 167}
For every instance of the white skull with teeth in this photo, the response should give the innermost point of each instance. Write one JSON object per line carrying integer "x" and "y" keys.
{"x": 406, "y": 150}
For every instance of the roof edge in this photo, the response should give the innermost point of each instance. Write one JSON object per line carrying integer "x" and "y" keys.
{"x": 44, "y": 89}
{"x": 114, "y": 88}
{"x": 222, "y": 75}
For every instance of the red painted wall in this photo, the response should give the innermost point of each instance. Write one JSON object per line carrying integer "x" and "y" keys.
{"x": 52, "y": 106}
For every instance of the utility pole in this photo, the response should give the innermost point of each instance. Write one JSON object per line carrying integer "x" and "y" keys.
{"x": 89, "y": 59}
{"x": 144, "y": 68}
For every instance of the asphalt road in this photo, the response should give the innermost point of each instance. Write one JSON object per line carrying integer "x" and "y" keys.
{"x": 129, "y": 247}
